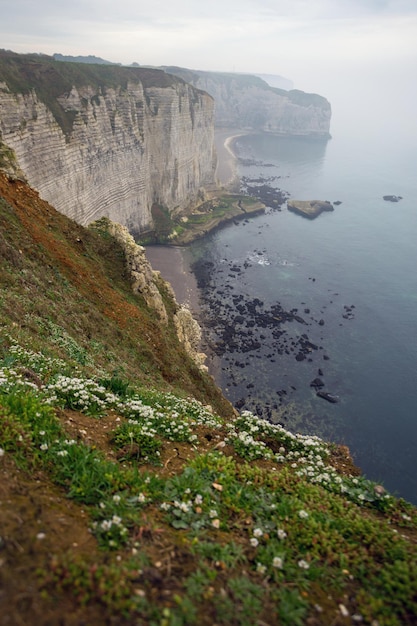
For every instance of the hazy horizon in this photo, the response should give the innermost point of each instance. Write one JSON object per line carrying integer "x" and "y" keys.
{"x": 359, "y": 54}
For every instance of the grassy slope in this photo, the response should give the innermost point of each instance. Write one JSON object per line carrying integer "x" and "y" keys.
{"x": 143, "y": 507}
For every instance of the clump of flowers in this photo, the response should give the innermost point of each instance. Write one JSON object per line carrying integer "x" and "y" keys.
{"x": 80, "y": 394}
{"x": 111, "y": 533}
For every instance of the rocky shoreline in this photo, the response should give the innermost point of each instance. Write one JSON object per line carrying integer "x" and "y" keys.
{"x": 240, "y": 332}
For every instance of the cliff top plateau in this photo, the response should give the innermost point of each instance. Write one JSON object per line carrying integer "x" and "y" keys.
{"x": 131, "y": 490}
{"x": 51, "y": 78}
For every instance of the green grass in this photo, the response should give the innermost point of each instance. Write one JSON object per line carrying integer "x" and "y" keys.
{"x": 257, "y": 536}
{"x": 184, "y": 512}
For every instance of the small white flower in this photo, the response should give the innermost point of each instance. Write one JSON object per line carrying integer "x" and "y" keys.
{"x": 1, "y": 452}
{"x": 40, "y": 536}
{"x": 303, "y": 514}
{"x": 141, "y": 498}
{"x": 216, "y": 523}
{"x": 213, "y": 513}
{"x": 198, "y": 499}
{"x": 303, "y": 564}
{"x": 277, "y": 562}
{"x": 116, "y": 498}
{"x": 106, "y": 524}
{"x": 260, "y": 568}
{"x": 257, "y": 532}
{"x": 44, "y": 446}
{"x": 281, "y": 533}
{"x": 253, "y": 542}
{"x": 42, "y": 432}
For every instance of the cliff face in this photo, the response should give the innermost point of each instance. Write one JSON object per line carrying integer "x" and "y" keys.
{"x": 248, "y": 102}
{"x": 106, "y": 141}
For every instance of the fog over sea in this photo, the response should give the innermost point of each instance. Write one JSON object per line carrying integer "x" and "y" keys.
{"x": 350, "y": 276}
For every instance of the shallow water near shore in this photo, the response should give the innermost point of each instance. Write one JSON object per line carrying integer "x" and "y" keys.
{"x": 347, "y": 287}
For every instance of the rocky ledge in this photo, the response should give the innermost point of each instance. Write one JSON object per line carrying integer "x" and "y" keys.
{"x": 309, "y": 208}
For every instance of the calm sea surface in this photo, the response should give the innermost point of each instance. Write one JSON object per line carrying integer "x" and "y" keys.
{"x": 351, "y": 275}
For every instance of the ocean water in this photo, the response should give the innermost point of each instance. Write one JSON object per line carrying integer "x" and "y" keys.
{"x": 349, "y": 277}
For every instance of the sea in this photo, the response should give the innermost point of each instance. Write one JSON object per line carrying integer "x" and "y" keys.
{"x": 342, "y": 292}
{"x": 285, "y": 300}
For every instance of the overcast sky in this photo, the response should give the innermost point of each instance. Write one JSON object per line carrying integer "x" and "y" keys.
{"x": 321, "y": 45}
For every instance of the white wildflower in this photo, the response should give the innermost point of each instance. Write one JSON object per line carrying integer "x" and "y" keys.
{"x": 277, "y": 562}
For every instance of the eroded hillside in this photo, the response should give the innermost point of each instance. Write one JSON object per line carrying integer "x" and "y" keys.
{"x": 131, "y": 492}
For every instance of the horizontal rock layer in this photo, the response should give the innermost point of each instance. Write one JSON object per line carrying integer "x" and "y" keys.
{"x": 248, "y": 102}
{"x": 94, "y": 147}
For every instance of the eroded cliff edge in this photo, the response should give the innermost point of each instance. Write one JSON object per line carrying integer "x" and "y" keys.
{"x": 248, "y": 102}
{"x": 106, "y": 140}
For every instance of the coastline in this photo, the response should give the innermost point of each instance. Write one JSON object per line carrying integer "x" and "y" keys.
{"x": 171, "y": 260}
{"x": 175, "y": 268}
{"x": 171, "y": 263}
{"x": 226, "y": 170}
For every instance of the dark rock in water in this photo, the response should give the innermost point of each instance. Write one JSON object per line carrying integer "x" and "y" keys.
{"x": 240, "y": 403}
{"x": 320, "y": 372}
{"x": 299, "y": 319}
{"x": 317, "y": 382}
{"x": 337, "y": 202}
{"x": 328, "y": 396}
{"x": 309, "y": 208}
{"x": 392, "y": 198}
{"x": 321, "y": 322}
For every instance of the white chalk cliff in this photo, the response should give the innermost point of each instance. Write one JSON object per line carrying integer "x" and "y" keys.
{"x": 248, "y": 102}
{"x": 106, "y": 141}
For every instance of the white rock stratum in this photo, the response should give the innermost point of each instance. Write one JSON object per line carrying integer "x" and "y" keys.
{"x": 125, "y": 147}
{"x": 248, "y": 102}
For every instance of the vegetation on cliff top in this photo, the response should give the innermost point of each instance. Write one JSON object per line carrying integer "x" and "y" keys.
{"x": 132, "y": 493}
{"x": 50, "y": 79}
